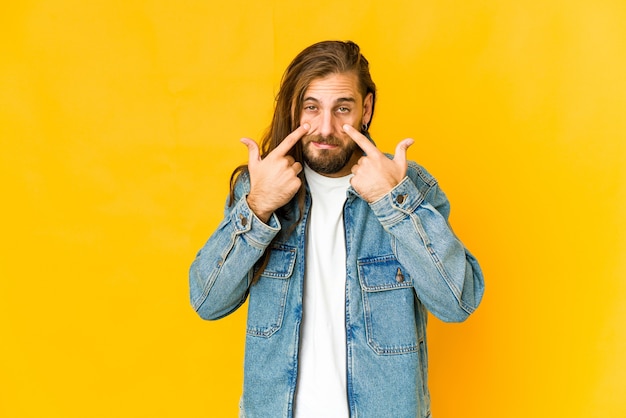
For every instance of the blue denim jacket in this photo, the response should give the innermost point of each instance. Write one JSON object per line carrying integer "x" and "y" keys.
{"x": 402, "y": 261}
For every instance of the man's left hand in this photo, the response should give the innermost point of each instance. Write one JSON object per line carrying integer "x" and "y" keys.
{"x": 375, "y": 174}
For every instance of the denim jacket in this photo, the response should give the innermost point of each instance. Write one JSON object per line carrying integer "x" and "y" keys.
{"x": 402, "y": 260}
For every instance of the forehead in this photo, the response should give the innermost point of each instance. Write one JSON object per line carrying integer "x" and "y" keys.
{"x": 333, "y": 86}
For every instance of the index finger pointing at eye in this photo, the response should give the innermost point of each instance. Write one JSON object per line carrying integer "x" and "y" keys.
{"x": 360, "y": 139}
{"x": 291, "y": 139}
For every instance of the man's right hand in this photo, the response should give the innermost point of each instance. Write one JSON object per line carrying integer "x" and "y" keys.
{"x": 274, "y": 179}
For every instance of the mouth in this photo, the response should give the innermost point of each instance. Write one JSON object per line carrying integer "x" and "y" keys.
{"x": 323, "y": 145}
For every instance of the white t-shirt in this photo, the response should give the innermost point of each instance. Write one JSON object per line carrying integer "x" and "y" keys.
{"x": 321, "y": 389}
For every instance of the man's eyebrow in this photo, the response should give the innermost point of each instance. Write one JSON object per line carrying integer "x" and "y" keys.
{"x": 339, "y": 100}
{"x": 345, "y": 99}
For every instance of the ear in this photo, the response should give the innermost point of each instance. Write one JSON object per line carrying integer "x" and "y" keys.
{"x": 367, "y": 108}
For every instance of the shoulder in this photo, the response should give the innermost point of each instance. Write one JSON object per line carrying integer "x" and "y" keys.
{"x": 241, "y": 179}
{"x": 422, "y": 179}
{"x": 420, "y": 175}
{"x": 429, "y": 188}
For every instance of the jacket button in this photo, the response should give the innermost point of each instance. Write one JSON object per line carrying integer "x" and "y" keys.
{"x": 399, "y": 276}
{"x": 244, "y": 220}
{"x": 400, "y": 198}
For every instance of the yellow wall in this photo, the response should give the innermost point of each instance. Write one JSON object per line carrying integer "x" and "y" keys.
{"x": 119, "y": 126}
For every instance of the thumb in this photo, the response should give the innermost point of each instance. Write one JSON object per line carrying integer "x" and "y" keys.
{"x": 400, "y": 155}
{"x": 253, "y": 150}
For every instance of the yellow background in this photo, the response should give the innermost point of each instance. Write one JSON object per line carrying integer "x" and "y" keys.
{"x": 120, "y": 124}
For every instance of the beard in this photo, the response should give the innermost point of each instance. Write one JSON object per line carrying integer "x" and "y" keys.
{"x": 327, "y": 161}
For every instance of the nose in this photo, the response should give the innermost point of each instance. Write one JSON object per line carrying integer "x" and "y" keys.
{"x": 326, "y": 124}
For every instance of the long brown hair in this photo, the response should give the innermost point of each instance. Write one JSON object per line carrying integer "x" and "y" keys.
{"x": 316, "y": 61}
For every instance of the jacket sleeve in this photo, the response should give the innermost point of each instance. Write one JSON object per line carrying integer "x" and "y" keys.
{"x": 446, "y": 276}
{"x": 220, "y": 275}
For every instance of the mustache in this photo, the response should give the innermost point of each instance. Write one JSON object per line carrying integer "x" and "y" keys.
{"x": 328, "y": 140}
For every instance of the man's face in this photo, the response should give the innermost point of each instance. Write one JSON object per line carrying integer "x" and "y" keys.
{"x": 329, "y": 103}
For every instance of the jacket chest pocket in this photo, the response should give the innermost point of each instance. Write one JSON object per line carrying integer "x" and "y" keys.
{"x": 268, "y": 296}
{"x": 388, "y": 305}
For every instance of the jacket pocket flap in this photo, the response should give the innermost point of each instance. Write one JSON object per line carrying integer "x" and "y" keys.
{"x": 281, "y": 262}
{"x": 382, "y": 273}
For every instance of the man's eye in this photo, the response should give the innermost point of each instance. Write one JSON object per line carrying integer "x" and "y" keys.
{"x": 310, "y": 107}
{"x": 343, "y": 109}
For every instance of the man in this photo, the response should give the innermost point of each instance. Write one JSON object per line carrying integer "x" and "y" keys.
{"x": 342, "y": 251}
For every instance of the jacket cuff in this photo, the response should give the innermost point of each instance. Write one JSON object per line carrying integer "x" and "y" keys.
{"x": 246, "y": 222}
{"x": 398, "y": 203}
